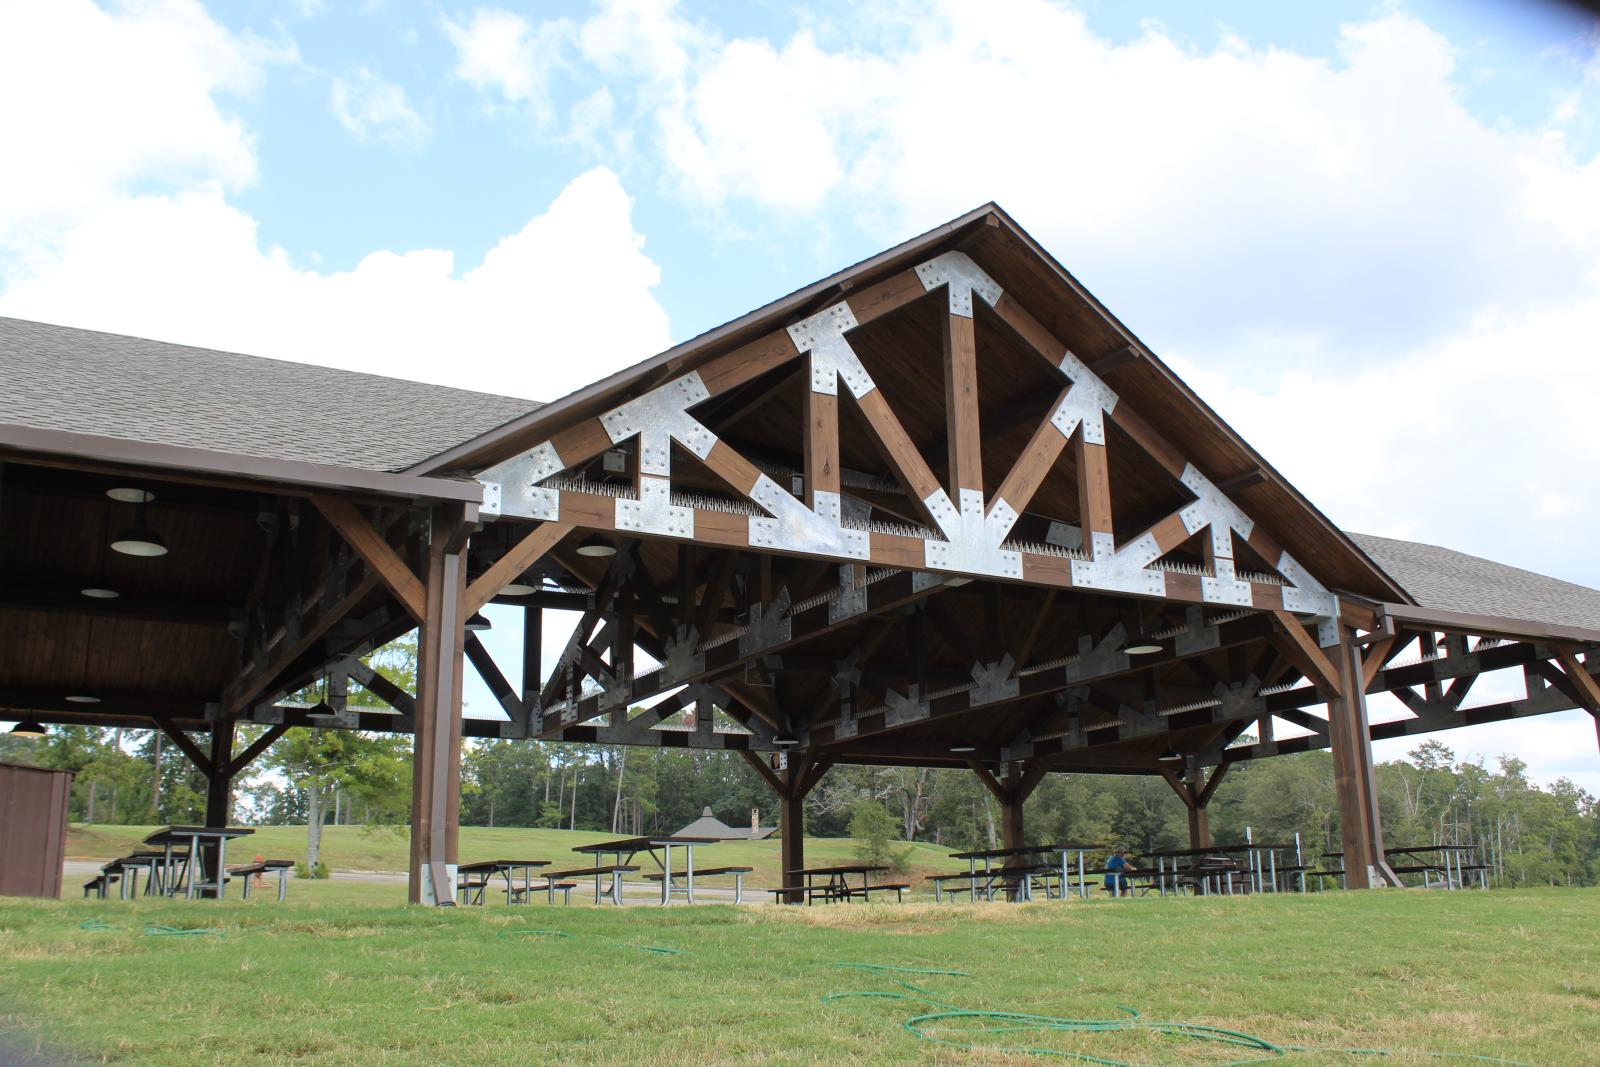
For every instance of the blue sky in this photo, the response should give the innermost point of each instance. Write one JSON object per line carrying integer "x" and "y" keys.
{"x": 1387, "y": 210}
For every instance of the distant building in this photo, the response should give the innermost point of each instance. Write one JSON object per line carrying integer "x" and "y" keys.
{"x": 708, "y": 825}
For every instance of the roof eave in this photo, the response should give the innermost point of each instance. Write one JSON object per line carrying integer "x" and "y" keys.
{"x": 1413, "y": 615}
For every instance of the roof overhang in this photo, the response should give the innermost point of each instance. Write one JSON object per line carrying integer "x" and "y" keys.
{"x": 79, "y": 448}
{"x": 1394, "y": 616}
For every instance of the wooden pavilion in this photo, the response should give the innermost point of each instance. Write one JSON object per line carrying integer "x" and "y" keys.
{"x": 940, "y": 509}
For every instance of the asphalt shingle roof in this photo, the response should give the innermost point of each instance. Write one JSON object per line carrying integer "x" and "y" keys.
{"x": 1447, "y": 580}
{"x": 82, "y": 381}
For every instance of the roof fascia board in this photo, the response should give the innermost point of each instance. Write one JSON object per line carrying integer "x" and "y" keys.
{"x": 94, "y": 448}
{"x": 1485, "y": 625}
{"x": 485, "y": 450}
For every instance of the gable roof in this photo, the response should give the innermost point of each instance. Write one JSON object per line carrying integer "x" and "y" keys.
{"x": 708, "y": 825}
{"x": 1444, "y": 580}
{"x": 1061, "y": 303}
{"x": 153, "y": 392}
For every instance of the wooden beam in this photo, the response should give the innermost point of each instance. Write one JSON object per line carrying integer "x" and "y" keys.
{"x": 1588, "y": 690}
{"x": 523, "y": 554}
{"x": 1373, "y": 659}
{"x": 359, "y": 534}
{"x": 1094, "y": 488}
{"x": 990, "y": 782}
{"x": 1035, "y": 462}
{"x": 1299, "y": 647}
{"x": 821, "y": 445}
{"x": 256, "y": 677}
{"x": 201, "y": 761}
{"x": 1215, "y": 780}
{"x": 905, "y": 461}
{"x": 258, "y": 746}
{"x": 961, "y": 406}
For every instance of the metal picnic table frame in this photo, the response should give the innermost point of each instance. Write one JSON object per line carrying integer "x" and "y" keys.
{"x": 169, "y": 836}
{"x": 1260, "y": 866}
{"x": 838, "y": 885}
{"x": 1025, "y": 889}
{"x": 626, "y": 848}
{"x": 506, "y": 868}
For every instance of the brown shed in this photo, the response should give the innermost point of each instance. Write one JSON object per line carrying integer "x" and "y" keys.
{"x": 33, "y": 829}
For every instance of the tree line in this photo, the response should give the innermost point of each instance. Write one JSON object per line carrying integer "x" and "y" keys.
{"x": 1531, "y": 835}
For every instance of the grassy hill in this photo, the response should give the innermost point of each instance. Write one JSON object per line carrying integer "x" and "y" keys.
{"x": 357, "y": 848}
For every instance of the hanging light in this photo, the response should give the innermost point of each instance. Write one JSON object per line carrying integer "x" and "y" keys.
{"x": 139, "y": 541}
{"x": 128, "y": 494}
{"x": 478, "y": 622}
{"x": 96, "y": 593}
{"x": 322, "y": 709}
{"x": 28, "y": 728}
{"x": 82, "y": 698}
{"x": 963, "y": 748}
{"x": 1142, "y": 642}
{"x": 518, "y": 589}
{"x": 1171, "y": 755}
{"x": 785, "y": 739}
{"x": 596, "y": 547}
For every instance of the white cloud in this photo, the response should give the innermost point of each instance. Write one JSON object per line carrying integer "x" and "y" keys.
{"x": 553, "y": 307}
{"x": 98, "y": 102}
{"x": 377, "y": 110}
{"x": 501, "y": 52}
{"x": 1333, "y": 209}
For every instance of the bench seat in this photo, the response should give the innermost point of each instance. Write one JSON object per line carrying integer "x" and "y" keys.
{"x": 249, "y": 870}
{"x": 705, "y": 872}
{"x": 584, "y": 872}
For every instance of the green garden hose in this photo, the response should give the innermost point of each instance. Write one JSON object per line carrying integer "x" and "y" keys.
{"x": 1250, "y": 1048}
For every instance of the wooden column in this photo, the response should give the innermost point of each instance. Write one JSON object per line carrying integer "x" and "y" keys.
{"x": 219, "y": 774}
{"x": 792, "y": 785}
{"x": 1011, "y": 823}
{"x": 1199, "y": 813}
{"x": 436, "y": 772}
{"x": 792, "y": 825}
{"x": 1354, "y": 781}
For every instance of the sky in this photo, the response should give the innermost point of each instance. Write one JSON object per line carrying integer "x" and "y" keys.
{"x": 1367, "y": 233}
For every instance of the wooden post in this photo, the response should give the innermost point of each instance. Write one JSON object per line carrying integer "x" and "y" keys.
{"x": 1199, "y": 815}
{"x": 436, "y": 772}
{"x": 1011, "y": 823}
{"x": 1354, "y": 781}
{"x": 961, "y": 406}
{"x": 219, "y": 776}
{"x": 792, "y": 825}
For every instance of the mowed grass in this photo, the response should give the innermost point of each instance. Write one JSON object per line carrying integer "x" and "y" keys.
{"x": 356, "y": 848}
{"x": 329, "y": 980}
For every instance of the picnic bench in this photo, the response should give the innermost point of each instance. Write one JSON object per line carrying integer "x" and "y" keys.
{"x": 250, "y": 870}
{"x": 659, "y": 849}
{"x": 708, "y": 872}
{"x": 833, "y": 884}
{"x": 615, "y": 870}
{"x": 472, "y": 880}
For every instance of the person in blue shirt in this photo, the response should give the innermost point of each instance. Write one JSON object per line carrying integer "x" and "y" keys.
{"x": 1117, "y": 882}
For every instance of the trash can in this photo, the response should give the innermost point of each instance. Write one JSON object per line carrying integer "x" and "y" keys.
{"x": 33, "y": 829}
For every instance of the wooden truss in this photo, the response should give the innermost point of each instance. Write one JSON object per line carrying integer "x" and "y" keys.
{"x": 967, "y": 532}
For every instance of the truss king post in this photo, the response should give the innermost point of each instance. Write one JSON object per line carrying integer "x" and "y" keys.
{"x": 436, "y": 775}
{"x": 1355, "y": 782}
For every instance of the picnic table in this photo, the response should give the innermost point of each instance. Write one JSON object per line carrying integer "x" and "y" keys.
{"x": 833, "y": 883}
{"x": 1215, "y": 864}
{"x": 659, "y": 849}
{"x": 1024, "y": 872}
{"x": 506, "y": 868}
{"x": 1448, "y": 866}
{"x": 195, "y": 838}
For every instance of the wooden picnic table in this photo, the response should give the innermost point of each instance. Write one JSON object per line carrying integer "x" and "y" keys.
{"x": 836, "y": 884}
{"x": 196, "y": 838}
{"x": 1449, "y": 865}
{"x": 506, "y": 868}
{"x": 659, "y": 848}
{"x": 1260, "y": 863}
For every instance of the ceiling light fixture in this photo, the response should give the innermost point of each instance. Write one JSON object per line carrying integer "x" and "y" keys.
{"x": 28, "y": 728}
{"x": 128, "y": 494}
{"x": 96, "y": 593}
{"x": 478, "y": 622}
{"x": 963, "y": 748}
{"x": 785, "y": 739}
{"x": 596, "y": 547}
{"x": 1171, "y": 755}
{"x": 82, "y": 698}
{"x": 518, "y": 589}
{"x": 140, "y": 541}
{"x": 1142, "y": 642}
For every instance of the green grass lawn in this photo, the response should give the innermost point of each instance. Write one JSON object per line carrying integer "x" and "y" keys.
{"x": 356, "y": 848}
{"x": 334, "y": 979}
